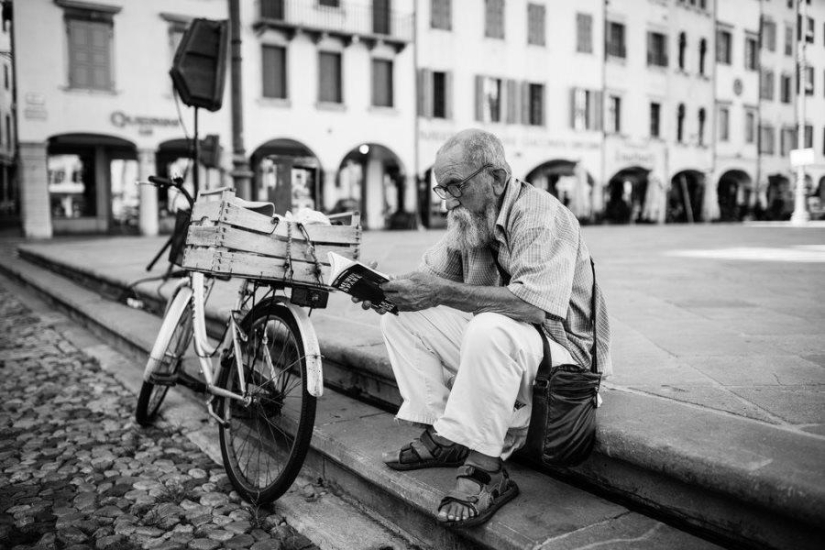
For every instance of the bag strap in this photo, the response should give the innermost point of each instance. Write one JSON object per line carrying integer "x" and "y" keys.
{"x": 547, "y": 361}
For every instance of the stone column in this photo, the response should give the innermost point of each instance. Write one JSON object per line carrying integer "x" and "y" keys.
{"x": 34, "y": 192}
{"x": 374, "y": 181}
{"x": 330, "y": 192}
{"x": 148, "y": 222}
{"x": 411, "y": 193}
{"x": 710, "y": 208}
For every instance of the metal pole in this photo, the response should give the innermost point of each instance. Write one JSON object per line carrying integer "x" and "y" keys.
{"x": 196, "y": 153}
{"x": 241, "y": 174}
{"x": 800, "y": 212}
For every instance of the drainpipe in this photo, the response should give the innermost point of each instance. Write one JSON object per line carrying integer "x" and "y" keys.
{"x": 800, "y": 212}
{"x": 241, "y": 175}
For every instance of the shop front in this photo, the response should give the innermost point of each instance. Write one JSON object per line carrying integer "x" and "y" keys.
{"x": 91, "y": 184}
{"x": 635, "y": 191}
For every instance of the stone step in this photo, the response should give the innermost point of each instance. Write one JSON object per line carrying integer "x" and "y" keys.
{"x": 741, "y": 480}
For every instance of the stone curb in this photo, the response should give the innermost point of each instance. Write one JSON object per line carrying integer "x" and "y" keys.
{"x": 758, "y": 481}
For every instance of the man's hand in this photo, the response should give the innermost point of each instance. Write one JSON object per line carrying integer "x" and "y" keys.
{"x": 414, "y": 291}
{"x": 366, "y": 304}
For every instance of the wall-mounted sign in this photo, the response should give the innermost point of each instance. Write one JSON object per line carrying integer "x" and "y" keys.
{"x": 121, "y": 120}
{"x": 737, "y": 86}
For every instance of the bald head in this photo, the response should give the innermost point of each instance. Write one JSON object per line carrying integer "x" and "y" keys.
{"x": 477, "y": 147}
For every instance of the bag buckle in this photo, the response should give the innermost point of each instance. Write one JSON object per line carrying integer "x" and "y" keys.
{"x": 541, "y": 383}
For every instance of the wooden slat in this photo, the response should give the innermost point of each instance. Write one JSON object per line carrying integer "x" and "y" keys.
{"x": 241, "y": 217}
{"x": 212, "y": 260}
{"x": 244, "y": 241}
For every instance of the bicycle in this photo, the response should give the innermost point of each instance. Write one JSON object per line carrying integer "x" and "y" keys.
{"x": 263, "y": 389}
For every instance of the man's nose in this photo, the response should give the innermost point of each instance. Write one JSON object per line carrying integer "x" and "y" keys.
{"x": 451, "y": 203}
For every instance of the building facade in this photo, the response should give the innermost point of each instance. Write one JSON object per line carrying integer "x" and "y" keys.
{"x": 629, "y": 110}
{"x": 9, "y": 189}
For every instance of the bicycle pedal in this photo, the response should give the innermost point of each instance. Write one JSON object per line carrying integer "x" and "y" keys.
{"x": 160, "y": 379}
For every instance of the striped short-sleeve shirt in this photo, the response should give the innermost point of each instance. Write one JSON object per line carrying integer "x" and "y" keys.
{"x": 539, "y": 244}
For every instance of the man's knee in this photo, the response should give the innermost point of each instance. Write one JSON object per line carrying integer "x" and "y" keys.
{"x": 488, "y": 329}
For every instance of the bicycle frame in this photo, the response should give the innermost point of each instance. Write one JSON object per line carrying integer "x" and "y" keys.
{"x": 192, "y": 288}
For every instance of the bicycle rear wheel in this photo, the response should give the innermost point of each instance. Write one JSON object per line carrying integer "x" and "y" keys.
{"x": 165, "y": 359}
{"x": 264, "y": 442}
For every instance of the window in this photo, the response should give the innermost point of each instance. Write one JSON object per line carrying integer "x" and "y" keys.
{"x": 769, "y": 35}
{"x": 382, "y": 89}
{"x": 701, "y": 136}
{"x": 535, "y": 101}
{"x": 655, "y": 117}
{"x": 703, "y": 49}
{"x": 272, "y": 9}
{"x": 785, "y": 89}
{"x": 584, "y": 33}
{"x": 586, "y": 109}
{"x": 809, "y": 28}
{"x": 535, "y": 24}
{"x": 788, "y": 40}
{"x": 90, "y": 54}
{"x": 750, "y": 126}
{"x": 724, "y": 123}
{"x": 489, "y": 99}
{"x": 766, "y": 85}
{"x": 494, "y": 18}
{"x": 615, "y": 40}
{"x": 434, "y": 94}
{"x": 809, "y": 81}
{"x": 767, "y": 139}
{"x": 614, "y": 114}
{"x": 71, "y": 185}
{"x": 680, "y": 123}
{"x": 656, "y": 49}
{"x": 381, "y": 16}
{"x": 723, "y": 47}
{"x": 809, "y": 136}
{"x": 440, "y": 14}
{"x": 787, "y": 141}
{"x": 330, "y": 3}
{"x": 751, "y": 53}
{"x": 274, "y": 71}
{"x": 439, "y": 94}
{"x": 682, "y": 46}
{"x": 329, "y": 82}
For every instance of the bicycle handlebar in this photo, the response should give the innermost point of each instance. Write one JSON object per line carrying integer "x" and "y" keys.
{"x": 177, "y": 183}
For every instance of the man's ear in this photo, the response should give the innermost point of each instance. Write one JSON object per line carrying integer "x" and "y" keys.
{"x": 500, "y": 176}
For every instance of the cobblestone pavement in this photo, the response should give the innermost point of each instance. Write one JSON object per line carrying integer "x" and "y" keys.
{"x": 77, "y": 473}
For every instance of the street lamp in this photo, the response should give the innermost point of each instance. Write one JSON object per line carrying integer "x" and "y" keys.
{"x": 800, "y": 212}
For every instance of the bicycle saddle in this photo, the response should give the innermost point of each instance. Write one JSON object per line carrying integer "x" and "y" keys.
{"x": 260, "y": 207}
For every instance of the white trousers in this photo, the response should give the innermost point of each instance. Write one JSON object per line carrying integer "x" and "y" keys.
{"x": 470, "y": 376}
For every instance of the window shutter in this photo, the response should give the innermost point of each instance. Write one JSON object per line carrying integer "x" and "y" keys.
{"x": 543, "y": 104}
{"x": 597, "y": 106}
{"x": 428, "y": 93}
{"x": 422, "y": 92}
{"x": 448, "y": 95}
{"x": 525, "y": 102}
{"x": 512, "y": 102}
{"x": 480, "y": 98}
{"x": 650, "y": 46}
{"x": 573, "y": 108}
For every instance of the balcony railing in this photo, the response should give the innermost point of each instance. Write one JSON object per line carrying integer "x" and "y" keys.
{"x": 347, "y": 19}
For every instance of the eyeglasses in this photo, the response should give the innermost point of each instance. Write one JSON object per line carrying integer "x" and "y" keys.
{"x": 455, "y": 189}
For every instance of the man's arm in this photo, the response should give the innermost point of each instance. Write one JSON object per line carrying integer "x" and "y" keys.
{"x": 420, "y": 290}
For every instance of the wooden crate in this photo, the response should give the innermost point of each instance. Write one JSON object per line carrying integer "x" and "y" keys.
{"x": 225, "y": 238}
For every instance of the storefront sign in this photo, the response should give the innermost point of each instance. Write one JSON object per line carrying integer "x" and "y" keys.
{"x": 121, "y": 120}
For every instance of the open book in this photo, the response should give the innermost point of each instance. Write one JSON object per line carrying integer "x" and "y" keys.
{"x": 359, "y": 280}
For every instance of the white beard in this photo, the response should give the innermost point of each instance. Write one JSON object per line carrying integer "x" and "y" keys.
{"x": 468, "y": 231}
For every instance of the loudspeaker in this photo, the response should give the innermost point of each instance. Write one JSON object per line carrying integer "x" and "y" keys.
{"x": 199, "y": 67}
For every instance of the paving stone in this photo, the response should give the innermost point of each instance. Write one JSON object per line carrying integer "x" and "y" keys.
{"x": 81, "y": 476}
{"x": 204, "y": 544}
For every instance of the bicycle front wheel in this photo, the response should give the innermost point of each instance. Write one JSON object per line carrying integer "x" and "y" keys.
{"x": 266, "y": 438}
{"x": 165, "y": 359}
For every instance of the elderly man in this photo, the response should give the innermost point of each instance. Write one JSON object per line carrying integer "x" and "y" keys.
{"x": 463, "y": 350}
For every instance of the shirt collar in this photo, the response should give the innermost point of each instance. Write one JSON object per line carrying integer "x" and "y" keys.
{"x": 512, "y": 191}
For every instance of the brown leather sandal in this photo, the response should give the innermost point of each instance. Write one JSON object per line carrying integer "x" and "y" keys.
{"x": 413, "y": 456}
{"x": 495, "y": 489}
